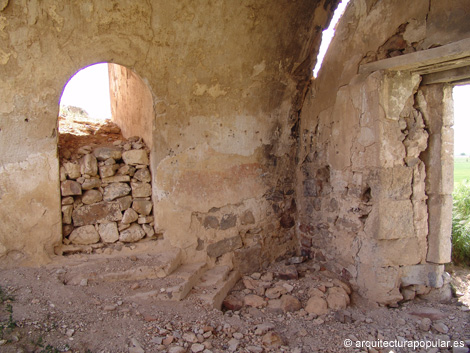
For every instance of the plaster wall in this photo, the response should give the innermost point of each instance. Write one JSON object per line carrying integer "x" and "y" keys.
{"x": 227, "y": 80}
{"x": 362, "y": 196}
{"x": 131, "y": 103}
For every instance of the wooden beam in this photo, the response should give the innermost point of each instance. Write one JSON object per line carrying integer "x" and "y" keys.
{"x": 461, "y": 74}
{"x": 442, "y": 58}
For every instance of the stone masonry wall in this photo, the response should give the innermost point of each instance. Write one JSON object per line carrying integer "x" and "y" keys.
{"x": 227, "y": 80}
{"x": 106, "y": 195}
{"x": 363, "y": 189}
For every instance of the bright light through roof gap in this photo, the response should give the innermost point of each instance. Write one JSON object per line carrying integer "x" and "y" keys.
{"x": 328, "y": 34}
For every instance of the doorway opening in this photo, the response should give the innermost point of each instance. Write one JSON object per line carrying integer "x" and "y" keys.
{"x": 105, "y": 130}
{"x": 461, "y": 193}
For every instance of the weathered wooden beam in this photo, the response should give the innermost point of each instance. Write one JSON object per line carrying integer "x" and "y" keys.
{"x": 442, "y": 58}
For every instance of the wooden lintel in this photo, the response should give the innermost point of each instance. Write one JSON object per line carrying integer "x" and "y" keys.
{"x": 448, "y": 56}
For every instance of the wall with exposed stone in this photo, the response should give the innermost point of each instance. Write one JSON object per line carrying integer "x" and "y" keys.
{"x": 365, "y": 206}
{"x": 106, "y": 196}
{"x": 227, "y": 80}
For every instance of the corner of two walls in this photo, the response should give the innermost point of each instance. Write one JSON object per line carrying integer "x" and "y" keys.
{"x": 364, "y": 181}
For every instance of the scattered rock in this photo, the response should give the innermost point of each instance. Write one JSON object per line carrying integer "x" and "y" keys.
{"x": 254, "y": 301}
{"x": 290, "y": 303}
{"x": 317, "y": 306}
{"x": 288, "y": 272}
{"x": 425, "y": 324}
{"x": 232, "y": 303}
{"x": 104, "y": 153}
{"x": 197, "y": 347}
{"x": 272, "y": 340}
{"x": 440, "y": 327}
{"x": 337, "y": 298}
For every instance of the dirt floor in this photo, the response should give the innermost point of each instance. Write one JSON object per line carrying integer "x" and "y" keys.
{"x": 40, "y": 311}
{"x": 49, "y": 315}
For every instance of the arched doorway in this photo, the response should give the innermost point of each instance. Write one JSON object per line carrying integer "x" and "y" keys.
{"x": 106, "y": 183}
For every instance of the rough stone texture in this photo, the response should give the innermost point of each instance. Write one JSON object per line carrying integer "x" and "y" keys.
{"x": 132, "y": 234}
{"x": 224, "y": 246}
{"x": 143, "y": 175}
{"x": 141, "y": 189}
{"x": 227, "y": 89}
{"x": 72, "y": 170}
{"x": 91, "y": 196}
{"x": 115, "y": 190}
{"x": 429, "y": 275}
{"x": 70, "y": 187}
{"x": 92, "y": 183}
{"x": 142, "y": 207}
{"x": 364, "y": 178}
{"x": 108, "y": 170}
{"x": 104, "y": 153}
{"x": 129, "y": 216}
{"x": 108, "y": 232}
{"x": 135, "y": 157}
{"x": 67, "y": 214}
{"x": 97, "y": 213}
{"x": 84, "y": 235}
{"x": 317, "y": 305}
{"x": 89, "y": 165}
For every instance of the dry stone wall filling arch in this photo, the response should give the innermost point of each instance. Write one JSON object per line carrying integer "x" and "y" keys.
{"x": 105, "y": 179}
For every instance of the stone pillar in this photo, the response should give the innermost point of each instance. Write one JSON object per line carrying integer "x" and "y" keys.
{"x": 436, "y": 104}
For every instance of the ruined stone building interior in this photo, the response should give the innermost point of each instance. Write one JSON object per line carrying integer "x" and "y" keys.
{"x": 225, "y": 155}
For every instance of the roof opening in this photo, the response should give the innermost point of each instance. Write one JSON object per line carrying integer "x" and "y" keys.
{"x": 328, "y": 35}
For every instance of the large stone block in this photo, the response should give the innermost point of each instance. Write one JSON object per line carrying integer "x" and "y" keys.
{"x": 72, "y": 170}
{"x": 143, "y": 175}
{"x": 392, "y": 183}
{"x": 107, "y": 171}
{"x": 115, "y": 190}
{"x": 224, "y": 246}
{"x": 141, "y": 189}
{"x": 248, "y": 260}
{"x": 132, "y": 234}
{"x": 91, "y": 196}
{"x": 390, "y": 219}
{"x": 92, "y": 183}
{"x": 70, "y": 188}
{"x": 108, "y": 232}
{"x": 440, "y": 229}
{"x": 97, "y": 213}
{"x": 142, "y": 207}
{"x": 89, "y": 165}
{"x": 103, "y": 153}
{"x": 135, "y": 157}
{"x": 429, "y": 275}
{"x": 84, "y": 235}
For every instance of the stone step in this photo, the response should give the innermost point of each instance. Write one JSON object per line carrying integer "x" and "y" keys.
{"x": 128, "y": 268}
{"x": 215, "y": 285}
{"x": 186, "y": 277}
